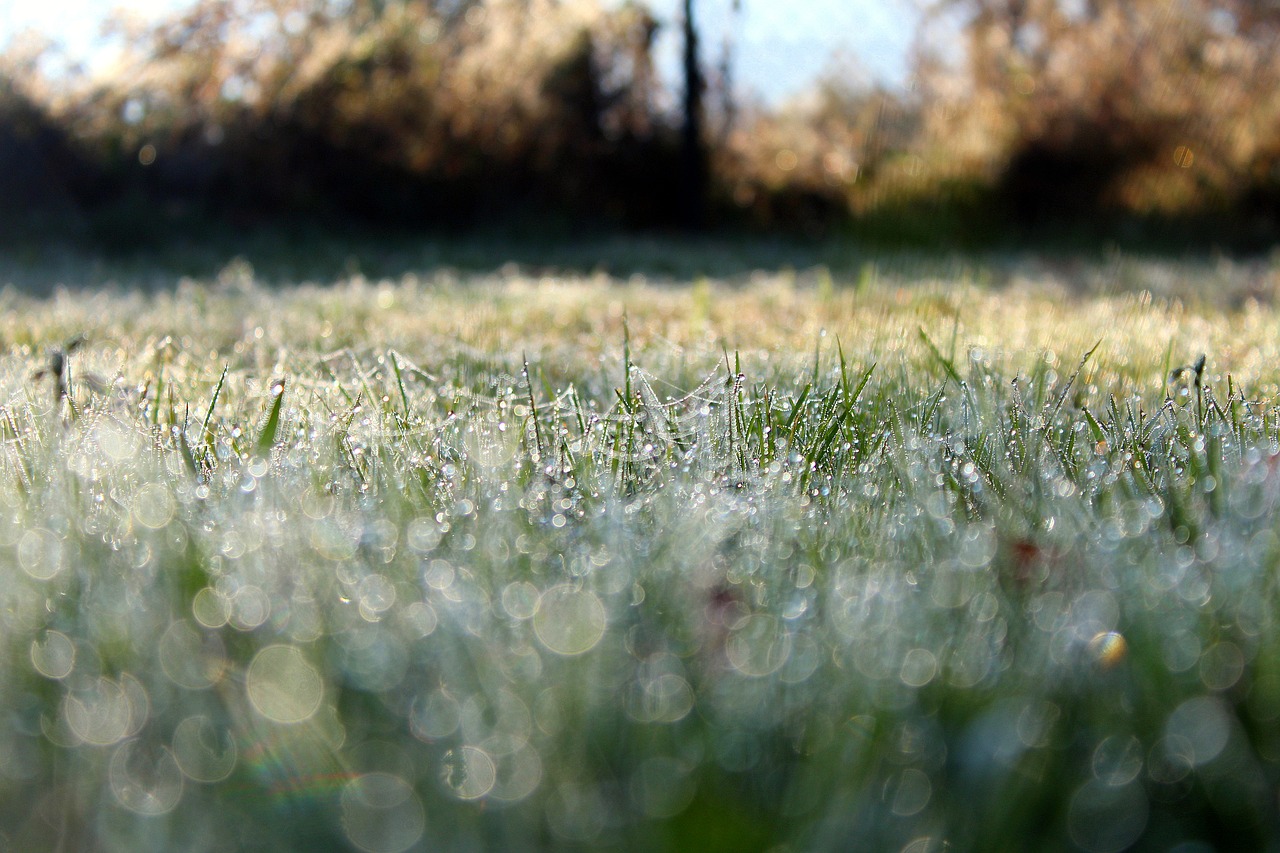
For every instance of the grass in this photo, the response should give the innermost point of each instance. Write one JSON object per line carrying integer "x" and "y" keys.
{"x": 858, "y": 559}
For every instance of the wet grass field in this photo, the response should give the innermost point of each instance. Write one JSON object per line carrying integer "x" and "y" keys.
{"x": 901, "y": 556}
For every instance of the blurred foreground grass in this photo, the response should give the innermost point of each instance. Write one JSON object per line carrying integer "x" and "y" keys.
{"x": 884, "y": 559}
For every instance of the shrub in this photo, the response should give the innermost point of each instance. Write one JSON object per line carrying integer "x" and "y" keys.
{"x": 1144, "y": 109}
{"x": 407, "y": 111}
{"x": 819, "y": 158}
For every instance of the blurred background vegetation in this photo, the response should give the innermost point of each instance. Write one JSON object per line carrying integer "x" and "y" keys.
{"x": 1047, "y": 120}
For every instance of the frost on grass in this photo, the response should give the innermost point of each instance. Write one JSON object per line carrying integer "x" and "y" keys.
{"x": 355, "y": 598}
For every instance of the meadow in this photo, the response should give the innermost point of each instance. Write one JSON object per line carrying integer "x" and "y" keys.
{"x": 900, "y": 554}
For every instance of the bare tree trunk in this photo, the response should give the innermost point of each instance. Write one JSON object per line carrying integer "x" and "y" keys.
{"x": 696, "y": 176}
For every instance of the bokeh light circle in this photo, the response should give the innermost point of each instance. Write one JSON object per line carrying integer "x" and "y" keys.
{"x": 204, "y": 752}
{"x": 381, "y": 813}
{"x": 569, "y": 621}
{"x": 145, "y": 779}
{"x": 283, "y": 686}
{"x": 100, "y": 713}
{"x": 468, "y": 772}
{"x": 53, "y": 655}
{"x": 759, "y": 646}
{"x": 1106, "y": 818}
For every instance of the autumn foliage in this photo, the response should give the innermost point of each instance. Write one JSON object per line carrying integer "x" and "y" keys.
{"x": 409, "y": 111}
{"x": 1045, "y": 113}
{"x": 1145, "y": 109}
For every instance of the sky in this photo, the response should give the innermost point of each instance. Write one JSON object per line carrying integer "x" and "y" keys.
{"x": 780, "y": 45}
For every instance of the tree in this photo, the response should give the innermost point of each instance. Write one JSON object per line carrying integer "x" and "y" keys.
{"x": 696, "y": 173}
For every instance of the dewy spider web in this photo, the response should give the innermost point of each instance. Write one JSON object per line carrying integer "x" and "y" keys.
{"x": 639, "y": 430}
{"x": 628, "y": 430}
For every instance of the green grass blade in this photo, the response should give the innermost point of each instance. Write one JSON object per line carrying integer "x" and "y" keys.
{"x": 267, "y": 438}
{"x": 946, "y": 363}
{"x": 404, "y": 397}
{"x": 205, "y": 435}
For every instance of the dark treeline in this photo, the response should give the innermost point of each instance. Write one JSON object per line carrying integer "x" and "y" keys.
{"x": 1058, "y": 117}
